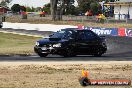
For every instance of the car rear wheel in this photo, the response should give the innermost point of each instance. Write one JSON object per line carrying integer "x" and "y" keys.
{"x": 43, "y": 54}
{"x": 99, "y": 53}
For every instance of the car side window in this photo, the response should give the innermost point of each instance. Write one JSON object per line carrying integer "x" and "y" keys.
{"x": 86, "y": 35}
{"x": 81, "y": 35}
{"x": 90, "y": 35}
{"x": 68, "y": 34}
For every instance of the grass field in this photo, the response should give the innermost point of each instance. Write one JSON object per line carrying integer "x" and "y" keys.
{"x": 13, "y": 44}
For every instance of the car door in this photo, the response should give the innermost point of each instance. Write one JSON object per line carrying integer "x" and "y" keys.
{"x": 86, "y": 42}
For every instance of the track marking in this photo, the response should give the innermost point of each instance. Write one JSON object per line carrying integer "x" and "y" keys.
{"x": 22, "y": 34}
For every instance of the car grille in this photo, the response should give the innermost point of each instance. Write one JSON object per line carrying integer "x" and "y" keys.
{"x": 46, "y": 45}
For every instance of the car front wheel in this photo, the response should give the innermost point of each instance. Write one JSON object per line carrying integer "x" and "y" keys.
{"x": 69, "y": 53}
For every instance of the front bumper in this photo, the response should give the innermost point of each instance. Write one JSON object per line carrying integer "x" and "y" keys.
{"x": 49, "y": 50}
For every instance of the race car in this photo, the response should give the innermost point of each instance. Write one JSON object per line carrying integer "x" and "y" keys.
{"x": 71, "y": 42}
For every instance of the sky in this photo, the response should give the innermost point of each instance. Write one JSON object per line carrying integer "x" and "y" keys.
{"x": 34, "y": 3}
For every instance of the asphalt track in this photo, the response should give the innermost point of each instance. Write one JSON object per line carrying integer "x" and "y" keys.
{"x": 119, "y": 49}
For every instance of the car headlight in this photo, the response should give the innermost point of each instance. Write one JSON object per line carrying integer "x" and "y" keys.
{"x": 57, "y": 45}
{"x": 37, "y": 44}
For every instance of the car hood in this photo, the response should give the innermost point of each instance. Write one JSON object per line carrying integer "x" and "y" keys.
{"x": 51, "y": 40}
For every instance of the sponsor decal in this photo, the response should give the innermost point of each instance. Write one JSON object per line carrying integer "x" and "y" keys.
{"x": 108, "y": 31}
{"x": 102, "y": 31}
{"x": 121, "y": 31}
{"x": 129, "y": 32}
{"x": 86, "y": 81}
{"x": 105, "y": 31}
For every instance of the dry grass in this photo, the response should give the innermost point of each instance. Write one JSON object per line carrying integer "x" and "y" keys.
{"x": 13, "y": 44}
{"x": 47, "y": 20}
{"x": 59, "y": 76}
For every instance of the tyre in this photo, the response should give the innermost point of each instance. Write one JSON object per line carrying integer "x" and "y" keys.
{"x": 43, "y": 54}
{"x": 99, "y": 53}
{"x": 69, "y": 53}
{"x": 85, "y": 81}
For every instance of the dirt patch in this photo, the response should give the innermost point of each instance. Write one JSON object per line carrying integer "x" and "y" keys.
{"x": 60, "y": 74}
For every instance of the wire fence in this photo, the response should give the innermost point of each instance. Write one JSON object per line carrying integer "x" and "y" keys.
{"x": 76, "y": 18}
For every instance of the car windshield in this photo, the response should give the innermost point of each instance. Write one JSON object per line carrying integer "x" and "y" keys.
{"x": 62, "y": 34}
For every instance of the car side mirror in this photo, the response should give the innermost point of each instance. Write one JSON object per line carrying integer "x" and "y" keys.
{"x": 50, "y": 35}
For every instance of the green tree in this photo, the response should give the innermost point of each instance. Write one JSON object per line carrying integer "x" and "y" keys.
{"x": 90, "y": 5}
{"x": 32, "y": 9}
{"x": 70, "y": 10}
{"x": 107, "y": 0}
{"x": 84, "y": 5}
{"x": 16, "y": 8}
{"x": 5, "y": 3}
{"x": 46, "y": 8}
{"x": 28, "y": 9}
{"x": 58, "y": 7}
{"x": 38, "y": 9}
{"x": 95, "y": 8}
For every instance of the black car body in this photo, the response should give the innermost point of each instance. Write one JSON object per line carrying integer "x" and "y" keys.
{"x": 71, "y": 42}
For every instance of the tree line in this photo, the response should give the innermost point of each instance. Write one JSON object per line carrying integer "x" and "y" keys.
{"x": 60, "y": 7}
{"x": 57, "y": 8}
{"x": 19, "y": 8}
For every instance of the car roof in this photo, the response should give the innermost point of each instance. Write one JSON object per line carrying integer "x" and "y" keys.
{"x": 75, "y": 29}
